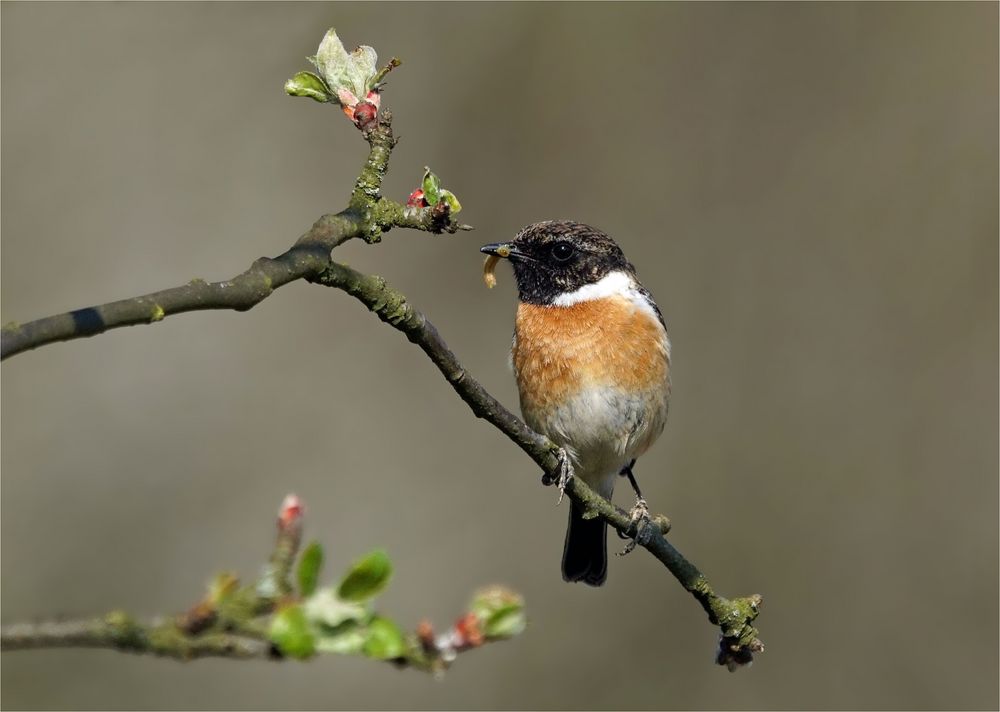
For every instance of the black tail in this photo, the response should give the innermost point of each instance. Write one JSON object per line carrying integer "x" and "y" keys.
{"x": 585, "y": 554}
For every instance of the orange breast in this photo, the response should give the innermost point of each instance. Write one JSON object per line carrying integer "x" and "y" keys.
{"x": 559, "y": 350}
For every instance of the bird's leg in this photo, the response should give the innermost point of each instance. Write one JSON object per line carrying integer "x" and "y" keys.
{"x": 565, "y": 474}
{"x": 627, "y": 472}
{"x": 639, "y": 514}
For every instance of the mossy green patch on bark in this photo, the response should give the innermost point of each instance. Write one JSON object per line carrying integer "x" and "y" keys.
{"x": 125, "y": 631}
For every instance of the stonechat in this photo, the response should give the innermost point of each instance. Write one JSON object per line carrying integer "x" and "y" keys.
{"x": 591, "y": 357}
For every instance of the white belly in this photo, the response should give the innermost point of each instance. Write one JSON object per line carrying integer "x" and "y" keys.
{"x": 604, "y": 428}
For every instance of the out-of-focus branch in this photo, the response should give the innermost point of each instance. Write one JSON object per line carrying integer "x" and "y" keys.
{"x": 272, "y": 620}
{"x": 117, "y": 631}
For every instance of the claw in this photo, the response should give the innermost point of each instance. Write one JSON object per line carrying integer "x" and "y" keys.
{"x": 639, "y": 516}
{"x": 565, "y": 475}
{"x": 640, "y": 511}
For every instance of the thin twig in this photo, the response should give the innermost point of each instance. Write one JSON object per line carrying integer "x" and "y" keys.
{"x": 118, "y": 631}
{"x": 162, "y": 638}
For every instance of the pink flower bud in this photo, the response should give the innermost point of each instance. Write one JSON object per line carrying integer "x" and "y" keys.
{"x": 291, "y": 511}
{"x": 416, "y": 199}
{"x": 364, "y": 114}
{"x": 468, "y": 631}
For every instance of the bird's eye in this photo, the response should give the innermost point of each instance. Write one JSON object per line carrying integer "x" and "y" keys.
{"x": 562, "y": 251}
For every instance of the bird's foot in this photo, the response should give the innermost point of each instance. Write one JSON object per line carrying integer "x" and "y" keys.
{"x": 639, "y": 526}
{"x": 564, "y": 476}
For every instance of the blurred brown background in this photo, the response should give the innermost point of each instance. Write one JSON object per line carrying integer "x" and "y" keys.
{"x": 810, "y": 190}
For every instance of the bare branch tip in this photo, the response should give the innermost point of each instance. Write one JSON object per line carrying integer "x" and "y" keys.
{"x": 377, "y": 79}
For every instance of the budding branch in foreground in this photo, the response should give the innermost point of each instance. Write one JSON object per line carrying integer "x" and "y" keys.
{"x": 367, "y": 216}
{"x": 274, "y": 618}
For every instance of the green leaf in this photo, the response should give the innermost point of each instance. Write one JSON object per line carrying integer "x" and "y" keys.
{"x": 309, "y": 566}
{"x": 384, "y": 640}
{"x": 290, "y": 632}
{"x": 346, "y": 639}
{"x": 339, "y": 624}
{"x": 222, "y": 587}
{"x": 367, "y": 577}
{"x": 431, "y": 187}
{"x": 308, "y": 84}
{"x": 453, "y": 205}
{"x": 324, "y": 609}
{"x": 500, "y": 611}
{"x": 505, "y": 622}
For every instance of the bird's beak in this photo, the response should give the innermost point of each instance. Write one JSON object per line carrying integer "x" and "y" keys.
{"x": 500, "y": 249}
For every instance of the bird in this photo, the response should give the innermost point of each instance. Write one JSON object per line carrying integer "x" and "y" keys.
{"x": 591, "y": 358}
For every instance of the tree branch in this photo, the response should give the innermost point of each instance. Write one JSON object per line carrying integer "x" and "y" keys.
{"x": 425, "y": 651}
{"x": 116, "y": 631}
{"x": 367, "y": 216}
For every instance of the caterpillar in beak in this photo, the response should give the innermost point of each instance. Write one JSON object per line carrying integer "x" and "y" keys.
{"x": 489, "y": 271}
{"x": 490, "y": 265}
